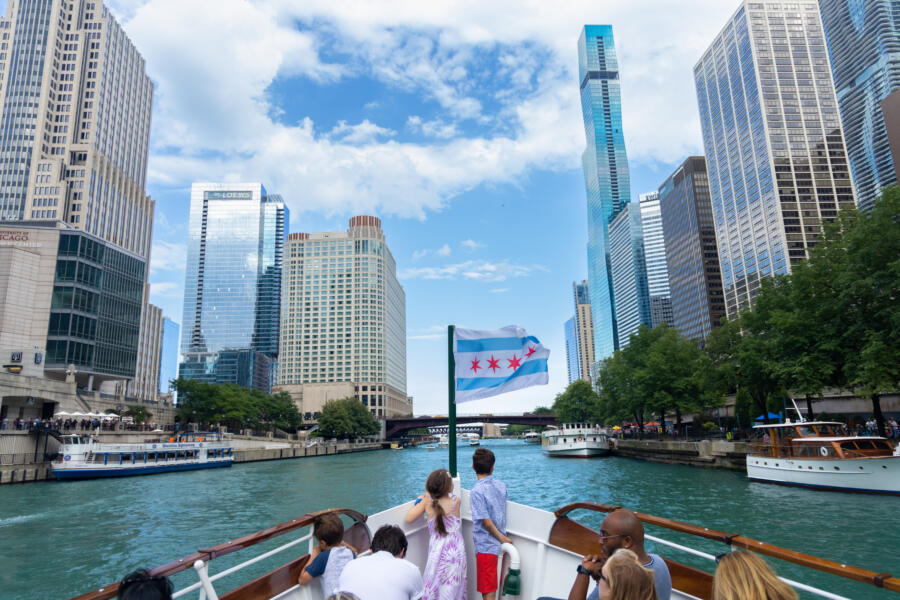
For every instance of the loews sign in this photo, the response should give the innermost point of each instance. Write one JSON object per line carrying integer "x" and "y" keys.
{"x": 228, "y": 195}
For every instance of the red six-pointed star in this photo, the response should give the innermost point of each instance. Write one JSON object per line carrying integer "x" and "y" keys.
{"x": 515, "y": 362}
{"x": 531, "y": 351}
{"x": 493, "y": 363}
{"x": 475, "y": 365}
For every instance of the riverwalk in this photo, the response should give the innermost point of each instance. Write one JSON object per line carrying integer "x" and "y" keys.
{"x": 709, "y": 454}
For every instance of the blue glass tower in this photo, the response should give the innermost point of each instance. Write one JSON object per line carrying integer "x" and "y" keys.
{"x": 605, "y": 172}
{"x": 232, "y": 291}
{"x": 864, "y": 47}
{"x": 628, "y": 269}
{"x": 168, "y": 360}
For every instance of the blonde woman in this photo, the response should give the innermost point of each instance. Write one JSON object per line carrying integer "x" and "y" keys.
{"x": 623, "y": 578}
{"x": 743, "y": 575}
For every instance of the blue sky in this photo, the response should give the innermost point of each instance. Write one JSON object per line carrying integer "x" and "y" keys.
{"x": 457, "y": 123}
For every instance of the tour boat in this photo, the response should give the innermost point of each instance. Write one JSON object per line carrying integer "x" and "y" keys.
{"x": 822, "y": 454}
{"x": 82, "y": 457}
{"x": 575, "y": 440}
{"x": 532, "y": 437}
{"x": 547, "y": 547}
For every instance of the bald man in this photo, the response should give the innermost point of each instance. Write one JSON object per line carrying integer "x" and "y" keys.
{"x": 620, "y": 529}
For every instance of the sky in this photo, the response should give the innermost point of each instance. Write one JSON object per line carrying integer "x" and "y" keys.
{"x": 457, "y": 123}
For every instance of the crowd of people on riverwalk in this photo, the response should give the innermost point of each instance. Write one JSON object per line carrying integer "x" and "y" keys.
{"x": 621, "y": 569}
{"x": 72, "y": 425}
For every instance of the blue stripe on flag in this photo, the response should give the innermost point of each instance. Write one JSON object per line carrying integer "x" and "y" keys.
{"x": 494, "y": 344}
{"x": 529, "y": 368}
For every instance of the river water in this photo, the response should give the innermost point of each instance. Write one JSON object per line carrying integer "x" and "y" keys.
{"x": 59, "y": 539}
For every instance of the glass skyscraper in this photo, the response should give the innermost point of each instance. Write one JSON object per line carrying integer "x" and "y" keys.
{"x": 692, "y": 259}
{"x": 605, "y": 172}
{"x": 864, "y": 46}
{"x": 655, "y": 259}
{"x": 774, "y": 148}
{"x": 232, "y": 291}
{"x": 629, "y": 272}
{"x": 168, "y": 361}
{"x": 572, "y": 350}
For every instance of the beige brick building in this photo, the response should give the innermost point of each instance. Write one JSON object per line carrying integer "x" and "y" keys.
{"x": 146, "y": 380}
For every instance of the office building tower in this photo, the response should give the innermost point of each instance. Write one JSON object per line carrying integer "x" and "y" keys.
{"x": 232, "y": 284}
{"x": 343, "y": 321}
{"x": 774, "y": 148}
{"x": 69, "y": 299}
{"x": 605, "y": 172}
{"x": 692, "y": 259}
{"x": 629, "y": 272}
{"x": 75, "y": 106}
{"x": 864, "y": 47}
{"x": 655, "y": 260}
{"x": 168, "y": 362}
{"x": 145, "y": 385}
{"x": 584, "y": 329}
{"x": 572, "y": 357}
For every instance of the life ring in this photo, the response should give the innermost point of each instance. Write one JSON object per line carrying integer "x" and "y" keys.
{"x": 823, "y": 451}
{"x": 580, "y": 439}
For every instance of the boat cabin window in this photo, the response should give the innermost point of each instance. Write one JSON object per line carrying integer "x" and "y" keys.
{"x": 830, "y": 430}
{"x": 805, "y": 431}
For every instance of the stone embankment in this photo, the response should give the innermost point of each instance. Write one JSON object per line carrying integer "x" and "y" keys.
{"x": 718, "y": 454}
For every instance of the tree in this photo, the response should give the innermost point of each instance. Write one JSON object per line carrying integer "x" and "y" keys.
{"x": 138, "y": 413}
{"x": 235, "y": 406}
{"x": 577, "y": 404}
{"x": 542, "y": 410}
{"x": 346, "y": 418}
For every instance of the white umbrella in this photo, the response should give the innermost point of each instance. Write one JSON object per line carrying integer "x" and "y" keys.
{"x": 79, "y": 414}
{"x": 111, "y": 416}
{"x": 62, "y": 414}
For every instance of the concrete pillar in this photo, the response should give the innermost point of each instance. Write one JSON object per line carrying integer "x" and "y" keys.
{"x": 90, "y": 385}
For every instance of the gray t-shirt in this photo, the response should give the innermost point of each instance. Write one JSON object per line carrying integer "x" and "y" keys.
{"x": 661, "y": 579}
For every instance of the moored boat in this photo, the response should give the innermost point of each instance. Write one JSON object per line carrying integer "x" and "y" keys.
{"x": 82, "y": 457}
{"x": 575, "y": 440}
{"x": 822, "y": 454}
{"x": 531, "y": 437}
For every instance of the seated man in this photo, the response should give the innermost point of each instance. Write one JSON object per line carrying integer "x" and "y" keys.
{"x": 620, "y": 529}
{"x": 383, "y": 575}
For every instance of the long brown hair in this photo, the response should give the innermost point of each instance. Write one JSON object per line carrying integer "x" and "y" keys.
{"x": 743, "y": 575}
{"x": 439, "y": 484}
{"x": 628, "y": 579}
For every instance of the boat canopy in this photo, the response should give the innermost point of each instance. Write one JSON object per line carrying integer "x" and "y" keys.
{"x": 803, "y": 423}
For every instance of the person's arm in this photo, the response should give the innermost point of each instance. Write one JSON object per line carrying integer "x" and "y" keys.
{"x": 315, "y": 566}
{"x": 418, "y": 509}
{"x": 492, "y": 529}
{"x": 456, "y": 505}
{"x": 582, "y": 582}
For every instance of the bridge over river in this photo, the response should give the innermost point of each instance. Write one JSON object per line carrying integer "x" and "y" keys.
{"x": 394, "y": 427}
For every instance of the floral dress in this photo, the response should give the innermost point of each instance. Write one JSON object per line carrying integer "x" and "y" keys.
{"x": 445, "y": 571}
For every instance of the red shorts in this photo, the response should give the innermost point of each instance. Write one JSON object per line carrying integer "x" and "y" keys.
{"x": 487, "y": 572}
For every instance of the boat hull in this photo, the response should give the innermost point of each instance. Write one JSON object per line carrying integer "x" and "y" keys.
{"x": 577, "y": 451}
{"x": 866, "y": 475}
{"x": 90, "y": 473}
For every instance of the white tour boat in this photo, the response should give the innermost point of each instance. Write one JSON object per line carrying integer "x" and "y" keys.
{"x": 82, "y": 457}
{"x": 532, "y": 437}
{"x": 822, "y": 454}
{"x": 575, "y": 440}
{"x": 546, "y": 549}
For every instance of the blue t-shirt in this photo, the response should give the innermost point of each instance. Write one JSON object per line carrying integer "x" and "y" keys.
{"x": 322, "y": 565}
{"x": 662, "y": 580}
{"x": 488, "y": 501}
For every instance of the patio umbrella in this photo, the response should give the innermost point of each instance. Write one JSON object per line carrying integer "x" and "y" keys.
{"x": 80, "y": 414}
{"x": 767, "y": 416}
{"x": 62, "y": 414}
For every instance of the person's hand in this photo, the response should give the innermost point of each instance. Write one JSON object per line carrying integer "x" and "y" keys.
{"x": 594, "y": 564}
{"x": 505, "y": 539}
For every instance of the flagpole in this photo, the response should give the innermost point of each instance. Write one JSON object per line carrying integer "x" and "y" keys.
{"x": 451, "y": 401}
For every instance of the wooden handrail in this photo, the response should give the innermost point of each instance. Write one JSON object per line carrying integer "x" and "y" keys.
{"x": 207, "y": 554}
{"x": 881, "y": 580}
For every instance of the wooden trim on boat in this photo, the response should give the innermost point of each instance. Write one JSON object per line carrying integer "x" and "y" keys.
{"x": 271, "y": 584}
{"x": 881, "y": 580}
{"x": 208, "y": 554}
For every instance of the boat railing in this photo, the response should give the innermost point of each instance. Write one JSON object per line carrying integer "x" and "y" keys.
{"x": 736, "y": 540}
{"x": 200, "y": 560}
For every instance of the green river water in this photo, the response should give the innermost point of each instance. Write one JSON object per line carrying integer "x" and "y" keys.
{"x": 60, "y": 539}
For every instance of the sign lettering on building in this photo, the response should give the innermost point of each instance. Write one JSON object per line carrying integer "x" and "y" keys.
{"x": 228, "y": 195}
{"x": 13, "y": 236}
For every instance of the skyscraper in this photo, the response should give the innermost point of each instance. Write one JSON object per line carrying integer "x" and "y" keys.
{"x": 343, "y": 321}
{"x": 629, "y": 272}
{"x": 605, "y": 172}
{"x": 572, "y": 365}
{"x": 584, "y": 329}
{"x": 692, "y": 259}
{"x": 655, "y": 260}
{"x": 774, "y": 148}
{"x": 146, "y": 380}
{"x": 75, "y": 107}
{"x": 168, "y": 362}
{"x": 864, "y": 46}
{"x": 232, "y": 284}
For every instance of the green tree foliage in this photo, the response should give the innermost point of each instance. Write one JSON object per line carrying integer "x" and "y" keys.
{"x": 138, "y": 413}
{"x": 577, "y": 404}
{"x": 542, "y": 410}
{"x": 234, "y": 406}
{"x": 346, "y": 418}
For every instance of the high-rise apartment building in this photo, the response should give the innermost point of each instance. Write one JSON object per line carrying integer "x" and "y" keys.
{"x": 864, "y": 47}
{"x": 774, "y": 148}
{"x": 692, "y": 260}
{"x": 572, "y": 366}
{"x": 584, "y": 329}
{"x": 343, "y": 321}
{"x": 629, "y": 272}
{"x": 655, "y": 260}
{"x": 605, "y": 172}
{"x": 168, "y": 361}
{"x": 75, "y": 106}
{"x": 232, "y": 284}
{"x": 146, "y": 380}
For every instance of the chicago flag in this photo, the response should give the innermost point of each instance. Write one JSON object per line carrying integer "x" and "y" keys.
{"x": 489, "y": 363}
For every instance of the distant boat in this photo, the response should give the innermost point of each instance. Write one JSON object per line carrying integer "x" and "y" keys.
{"x": 532, "y": 437}
{"x": 430, "y": 447}
{"x": 575, "y": 440}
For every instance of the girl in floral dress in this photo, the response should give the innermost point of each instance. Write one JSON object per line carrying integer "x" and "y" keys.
{"x": 445, "y": 571}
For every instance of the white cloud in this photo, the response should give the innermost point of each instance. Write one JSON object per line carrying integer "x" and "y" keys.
{"x": 471, "y": 245}
{"x": 499, "y": 290}
{"x": 436, "y": 128}
{"x": 443, "y": 250}
{"x": 165, "y": 289}
{"x": 364, "y": 133}
{"x": 472, "y": 270}
{"x": 167, "y": 256}
{"x": 417, "y": 254}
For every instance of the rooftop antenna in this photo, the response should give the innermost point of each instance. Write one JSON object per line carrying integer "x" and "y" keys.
{"x": 800, "y": 418}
